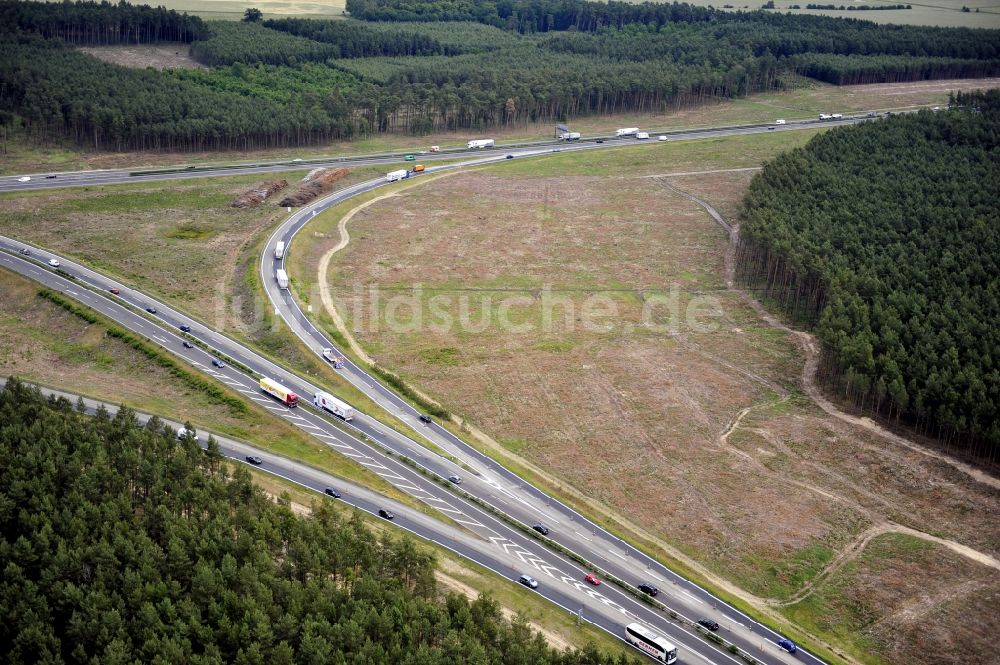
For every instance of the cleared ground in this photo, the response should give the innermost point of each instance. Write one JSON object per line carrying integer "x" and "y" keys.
{"x": 169, "y": 55}
{"x": 806, "y": 99}
{"x": 910, "y": 602}
{"x": 696, "y": 435}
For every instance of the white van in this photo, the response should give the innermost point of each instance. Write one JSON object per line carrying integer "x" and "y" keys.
{"x": 279, "y": 249}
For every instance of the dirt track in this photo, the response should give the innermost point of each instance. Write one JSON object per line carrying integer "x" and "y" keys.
{"x": 810, "y": 348}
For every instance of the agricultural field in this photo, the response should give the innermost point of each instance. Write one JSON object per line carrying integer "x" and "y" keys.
{"x": 232, "y": 10}
{"x": 574, "y": 308}
{"x": 942, "y": 13}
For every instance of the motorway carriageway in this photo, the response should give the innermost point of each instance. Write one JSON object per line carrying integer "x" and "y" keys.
{"x": 393, "y": 160}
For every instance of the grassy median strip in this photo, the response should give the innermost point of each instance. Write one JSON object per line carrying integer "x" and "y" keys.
{"x": 212, "y": 391}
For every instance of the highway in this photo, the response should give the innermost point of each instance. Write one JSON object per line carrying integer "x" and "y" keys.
{"x": 389, "y": 160}
{"x": 561, "y": 579}
{"x": 484, "y": 537}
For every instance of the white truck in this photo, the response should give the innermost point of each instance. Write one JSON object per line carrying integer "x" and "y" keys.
{"x": 836, "y": 116}
{"x": 825, "y": 116}
{"x": 279, "y": 250}
{"x": 641, "y": 135}
{"x": 282, "y": 278}
{"x": 335, "y": 359}
{"x": 393, "y": 176}
{"x": 569, "y": 136}
{"x": 626, "y": 131}
{"x": 333, "y": 405}
{"x": 481, "y": 143}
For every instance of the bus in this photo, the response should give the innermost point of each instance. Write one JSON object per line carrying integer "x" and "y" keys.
{"x": 648, "y": 642}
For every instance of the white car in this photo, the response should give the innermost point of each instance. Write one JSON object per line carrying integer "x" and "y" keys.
{"x": 779, "y": 122}
{"x": 662, "y": 138}
{"x": 24, "y": 178}
{"x": 54, "y": 263}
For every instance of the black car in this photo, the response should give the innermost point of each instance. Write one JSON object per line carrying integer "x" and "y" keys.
{"x": 151, "y": 310}
{"x": 185, "y": 328}
{"x": 253, "y": 459}
{"x": 648, "y": 588}
{"x": 218, "y": 363}
{"x": 187, "y": 345}
{"x": 510, "y": 156}
{"x": 424, "y": 418}
{"x": 528, "y": 581}
{"x": 599, "y": 141}
{"x": 385, "y": 514}
{"x": 541, "y": 528}
{"x": 49, "y": 177}
{"x": 332, "y": 492}
{"x": 26, "y": 251}
{"x": 708, "y": 623}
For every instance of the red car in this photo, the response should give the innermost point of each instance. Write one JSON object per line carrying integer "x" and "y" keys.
{"x": 593, "y": 580}
{"x": 114, "y": 291}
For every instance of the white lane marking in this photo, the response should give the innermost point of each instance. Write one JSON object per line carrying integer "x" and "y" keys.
{"x": 617, "y": 554}
{"x": 435, "y": 498}
{"x": 450, "y": 510}
{"x": 354, "y": 454}
{"x": 409, "y": 487}
{"x": 309, "y": 426}
{"x": 583, "y": 536}
{"x": 160, "y": 338}
{"x": 697, "y": 600}
{"x": 248, "y": 392}
{"x": 652, "y": 574}
{"x": 469, "y": 523}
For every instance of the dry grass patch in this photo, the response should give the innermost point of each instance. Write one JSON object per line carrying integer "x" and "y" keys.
{"x": 593, "y": 406}
{"x": 908, "y": 601}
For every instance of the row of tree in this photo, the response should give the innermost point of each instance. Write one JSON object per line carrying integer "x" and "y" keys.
{"x": 89, "y": 22}
{"x": 301, "y": 82}
{"x": 886, "y": 237}
{"x": 855, "y": 70}
{"x": 120, "y": 544}
{"x": 532, "y": 15}
{"x": 59, "y": 92}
